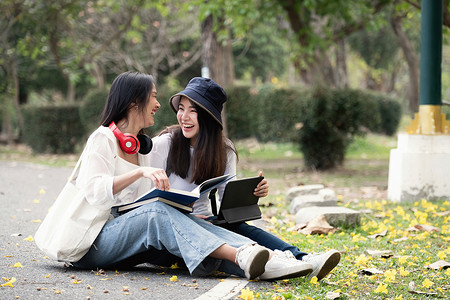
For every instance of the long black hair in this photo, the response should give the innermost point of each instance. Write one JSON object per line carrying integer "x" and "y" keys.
{"x": 128, "y": 88}
{"x": 210, "y": 151}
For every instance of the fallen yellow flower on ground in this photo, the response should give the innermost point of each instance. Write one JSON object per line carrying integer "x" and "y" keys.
{"x": 314, "y": 280}
{"x": 246, "y": 294}
{"x": 29, "y": 238}
{"x": 427, "y": 283}
{"x": 381, "y": 289}
{"x": 17, "y": 265}
{"x": 9, "y": 282}
{"x": 174, "y": 278}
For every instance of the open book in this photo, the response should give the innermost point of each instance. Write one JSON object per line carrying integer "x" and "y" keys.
{"x": 177, "y": 198}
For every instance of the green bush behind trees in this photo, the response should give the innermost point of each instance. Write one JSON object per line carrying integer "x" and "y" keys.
{"x": 322, "y": 121}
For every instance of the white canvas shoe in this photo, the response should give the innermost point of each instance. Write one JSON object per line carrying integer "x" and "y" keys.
{"x": 284, "y": 265}
{"x": 252, "y": 259}
{"x": 322, "y": 263}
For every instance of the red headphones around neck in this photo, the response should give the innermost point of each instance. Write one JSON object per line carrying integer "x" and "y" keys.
{"x": 131, "y": 144}
{"x": 128, "y": 142}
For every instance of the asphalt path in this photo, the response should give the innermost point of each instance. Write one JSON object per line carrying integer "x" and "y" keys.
{"x": 26, "y": 192}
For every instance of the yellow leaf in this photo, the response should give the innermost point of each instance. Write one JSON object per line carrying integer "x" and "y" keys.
{"x": 427, "y": 283}
{"x": 9, "y": 282}
{"x": 381, "y": 289}
{"x": 42, "y": 191}
{"x": 29, "y": 238}
{"x": 390, "y": 275}
{"x": 47, "y": 276}
{"x": 174, "y": 266}
{"x": 402, "y": 259}
{"x": 314, "y": 280}
{"x": 8, "y": 256}
{"x": 17, "y": 265}
{"x": 403, "y": 272}
{"x": 77, "y": 281}
{"x": 36, "y": 221}
{"x": 174, "y": 278}
{"x": 246, "y": 294}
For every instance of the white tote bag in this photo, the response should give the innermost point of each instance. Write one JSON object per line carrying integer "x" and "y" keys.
{"x": 71, "y": 225}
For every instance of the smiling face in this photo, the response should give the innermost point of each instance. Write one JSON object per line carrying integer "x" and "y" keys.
{"x": 188, "y": 119}
{"x": 150, "y": 109}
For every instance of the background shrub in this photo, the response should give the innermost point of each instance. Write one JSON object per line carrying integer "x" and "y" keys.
{"x": 52, "y": 129}
{"x": 390, "y": 113}
{"x": 330, "y": 119}
{"x": 278, "y": 112}
{"x": 241, "y": 112}
{"x": 91, "y": 109}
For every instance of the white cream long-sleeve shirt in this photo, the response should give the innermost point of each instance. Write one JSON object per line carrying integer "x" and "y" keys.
{"x": 158, "y": 159}
{"x": 100, "y": 163}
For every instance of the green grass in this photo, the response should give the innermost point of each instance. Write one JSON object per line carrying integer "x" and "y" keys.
{"x": 408, "y": 263}
{"x": 365, "y": 169}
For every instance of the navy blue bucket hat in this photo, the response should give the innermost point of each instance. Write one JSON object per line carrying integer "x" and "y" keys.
{"x": 204, "y": 92}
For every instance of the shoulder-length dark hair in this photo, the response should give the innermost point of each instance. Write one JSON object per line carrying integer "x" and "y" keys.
{"x": 210, "y": 151}
{"x": 128, "y": 88}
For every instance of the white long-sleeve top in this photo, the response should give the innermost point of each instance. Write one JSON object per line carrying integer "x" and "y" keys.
{"x": 158, "y": 159}
{"x": 100, "y": 163}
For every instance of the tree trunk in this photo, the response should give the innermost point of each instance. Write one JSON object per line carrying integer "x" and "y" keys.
{"x": 218, "y": 59}
{"x": 412, "y": 61}
{"x": 341, "y": 65}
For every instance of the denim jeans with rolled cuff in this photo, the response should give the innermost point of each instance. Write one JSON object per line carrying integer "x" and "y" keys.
{"x": 157, "y": 233}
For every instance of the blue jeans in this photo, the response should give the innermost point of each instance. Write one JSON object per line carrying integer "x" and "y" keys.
{"x": 159, "y": 234}
{"x": 263, "y": 238}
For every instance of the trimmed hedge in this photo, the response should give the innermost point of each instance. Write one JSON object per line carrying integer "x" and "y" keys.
{"x": 91, "y": 109}
{"x": 330, "y": 118}
{"x": 52, "y": 129}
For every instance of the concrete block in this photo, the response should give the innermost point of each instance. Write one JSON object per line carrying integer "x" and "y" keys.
{"x": 335, "y": 215}
{"x": 418, "y": 168}
{"x": 303, "y": 190}
{"x": 328, "y": 194}
{"x": 300, "y": 202}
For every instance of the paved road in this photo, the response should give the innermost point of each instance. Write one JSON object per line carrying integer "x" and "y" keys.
{"x": 26, "y": 192}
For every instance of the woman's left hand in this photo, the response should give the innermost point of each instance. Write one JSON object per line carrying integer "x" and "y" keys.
{"x": 262, "y": 189}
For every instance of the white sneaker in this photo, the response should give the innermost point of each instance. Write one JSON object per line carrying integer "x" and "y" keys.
{"x": 252, "y": 259}
{"x": 322, "y": 263}
{"x": 284, "y": 265}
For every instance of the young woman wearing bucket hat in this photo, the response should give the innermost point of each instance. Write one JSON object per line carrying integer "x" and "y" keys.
{"x": 196, "y": 150}
{"x": 111, "y": 174}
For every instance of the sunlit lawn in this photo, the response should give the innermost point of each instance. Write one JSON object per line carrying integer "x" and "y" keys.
{"x": 401, "y": 273}
{"x": 361, "y": 184}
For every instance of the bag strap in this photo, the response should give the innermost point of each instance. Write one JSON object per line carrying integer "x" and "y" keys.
{"x": 77, "y": 166}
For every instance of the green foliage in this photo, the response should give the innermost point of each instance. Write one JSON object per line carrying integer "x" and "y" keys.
{"x": 278, "y": 112}
{"x": 262, "y": 54}
{"x": 390, "y": 112}
{"x": 241, "y": 112}
{"x": 330, "y": 119}
{"x": 91, "y": 109}
{"x": 377, "y": 48}
{"x": 52, "y": 129}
